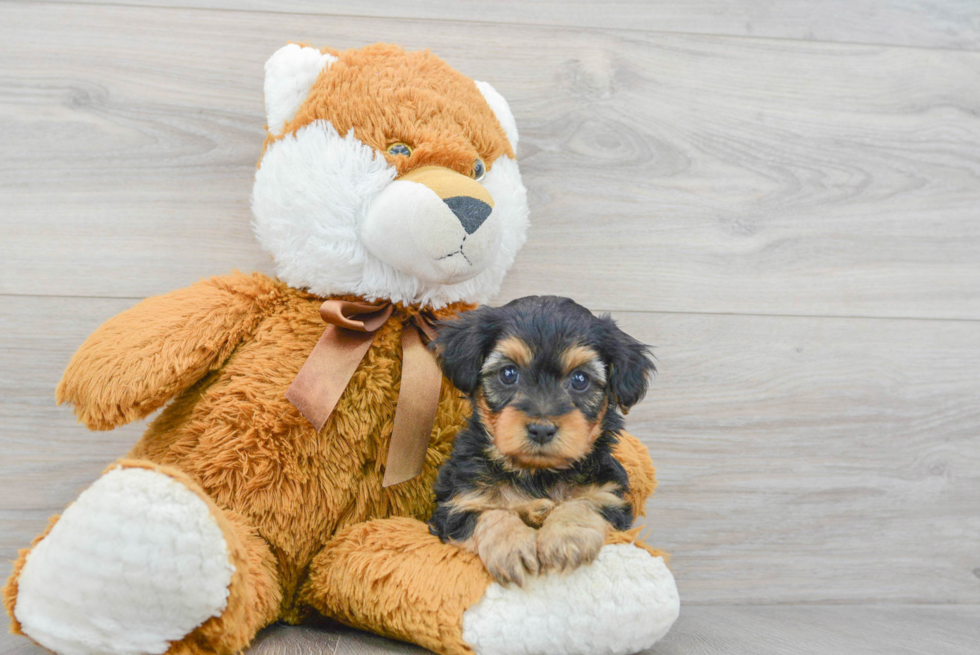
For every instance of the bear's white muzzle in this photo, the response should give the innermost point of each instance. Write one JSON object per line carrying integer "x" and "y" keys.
{"x": 434, "y": 224}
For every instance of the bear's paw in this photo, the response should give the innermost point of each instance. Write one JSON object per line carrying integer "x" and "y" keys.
{"x": 137, "y": 562}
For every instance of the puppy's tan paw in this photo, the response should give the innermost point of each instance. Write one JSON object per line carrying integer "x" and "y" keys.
{"x": 507, "y": 547}
{"x": 535, "y": 512}
{"x": 567, "y": 546}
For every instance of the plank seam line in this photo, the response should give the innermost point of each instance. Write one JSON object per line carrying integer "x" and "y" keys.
{"x": 856, "y": 317}
{"x": 603, "y": 310}
{"x": 839, "y": 603}
{"x": 69, "y": 296}
{"x": 628, "y": 30}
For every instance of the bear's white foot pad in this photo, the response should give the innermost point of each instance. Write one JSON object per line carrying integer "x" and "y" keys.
{"x": 622, "y": 603}
{"x": 135, "y": 563}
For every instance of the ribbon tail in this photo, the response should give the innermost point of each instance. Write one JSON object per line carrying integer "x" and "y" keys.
{"x": 317, "y": 388}
{"x": 415, "y": 414}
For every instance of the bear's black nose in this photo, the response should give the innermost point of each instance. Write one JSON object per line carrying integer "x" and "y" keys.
{"x": 541, "y": 433}
{"x": 470, "y": 211}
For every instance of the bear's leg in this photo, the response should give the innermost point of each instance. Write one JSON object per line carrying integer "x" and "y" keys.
{"x": 392, "y": 577}
{"x": 143, "y": 562}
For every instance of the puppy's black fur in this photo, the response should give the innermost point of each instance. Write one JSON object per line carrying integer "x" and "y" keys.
{"x": 555, "y": 331}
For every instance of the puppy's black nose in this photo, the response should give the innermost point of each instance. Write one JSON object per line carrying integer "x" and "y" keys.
{"x": 471, "y": 212}
{"x": 541, "y": 433}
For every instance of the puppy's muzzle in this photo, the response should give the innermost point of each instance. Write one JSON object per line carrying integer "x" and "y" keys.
{"x": 541, "y": 433}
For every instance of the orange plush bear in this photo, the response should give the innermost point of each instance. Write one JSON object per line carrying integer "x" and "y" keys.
{"x": 288, "y": 475}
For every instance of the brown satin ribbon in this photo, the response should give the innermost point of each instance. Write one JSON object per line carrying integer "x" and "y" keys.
{"x": 351, "y": 327}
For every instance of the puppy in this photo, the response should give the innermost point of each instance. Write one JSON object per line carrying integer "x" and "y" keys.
{"x": 531, "y": 485}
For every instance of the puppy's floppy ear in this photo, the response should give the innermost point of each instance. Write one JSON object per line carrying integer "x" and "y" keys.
{"x": 630, "y": 365}
{"x": 463, "y": 343}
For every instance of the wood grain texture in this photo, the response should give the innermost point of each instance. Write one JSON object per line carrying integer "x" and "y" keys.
{"x": 821, "y": 630}
{"x": 942, "y": 24}
{"x": 47, "y": 456}
{"x": 814, "y": 459}
{"x": 700, "y": 630}
{"x": 299, "y": 640}
{"x": 800, "y": 459}
{"x": 666, "y": 172}
{"x": 327, "y": 637}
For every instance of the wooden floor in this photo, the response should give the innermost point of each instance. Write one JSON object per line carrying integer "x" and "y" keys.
{"x": 783, "y": 197}
{"x": 700, "y": 630}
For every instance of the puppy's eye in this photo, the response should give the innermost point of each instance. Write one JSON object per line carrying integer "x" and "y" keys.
{"x": 400, "y": 149}
{"x": 579, "y": 381}
{"x": 509, "y": 375}
{"x": 479, "y": 170}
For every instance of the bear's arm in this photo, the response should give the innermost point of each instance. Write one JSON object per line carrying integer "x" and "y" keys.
{"x": 135, "y": 362}
{"x": 635, "y": 458}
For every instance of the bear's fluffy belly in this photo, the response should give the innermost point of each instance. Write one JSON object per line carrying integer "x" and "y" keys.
{"x": 254, "y": 453}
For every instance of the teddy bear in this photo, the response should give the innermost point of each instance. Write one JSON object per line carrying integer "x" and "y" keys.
{"x": 290, "y": 470}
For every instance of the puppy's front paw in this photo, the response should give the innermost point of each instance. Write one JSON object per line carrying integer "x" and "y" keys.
{"x": 507, "y": 547}
{"x": 566, "y": 546}
{"x": 536, "y": 511}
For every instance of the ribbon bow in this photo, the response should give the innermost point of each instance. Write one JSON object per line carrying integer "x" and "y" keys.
{"x": 351, "y": 327}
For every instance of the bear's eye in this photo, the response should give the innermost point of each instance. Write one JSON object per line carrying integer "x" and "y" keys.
{"x": 479, "y": 170}
{"x": 400, "y": 149}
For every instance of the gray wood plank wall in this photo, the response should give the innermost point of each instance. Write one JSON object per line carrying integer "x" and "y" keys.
{"x": 783, "y": 197}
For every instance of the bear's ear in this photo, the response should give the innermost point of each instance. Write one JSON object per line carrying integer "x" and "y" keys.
{"x": 289, "y": 75}
{"x": 501, "y": 110}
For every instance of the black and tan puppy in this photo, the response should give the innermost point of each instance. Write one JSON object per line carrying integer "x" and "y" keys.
{"x": 531, "y": 484}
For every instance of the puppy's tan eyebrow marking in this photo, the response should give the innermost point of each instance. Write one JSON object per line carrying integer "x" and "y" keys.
{"x": 578, "y": 356}
{"x": 516, "y": 350}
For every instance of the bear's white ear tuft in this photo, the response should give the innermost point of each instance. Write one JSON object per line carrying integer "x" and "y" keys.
{"x": 289, "y": 75}
{"x": 501, "y": 110}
